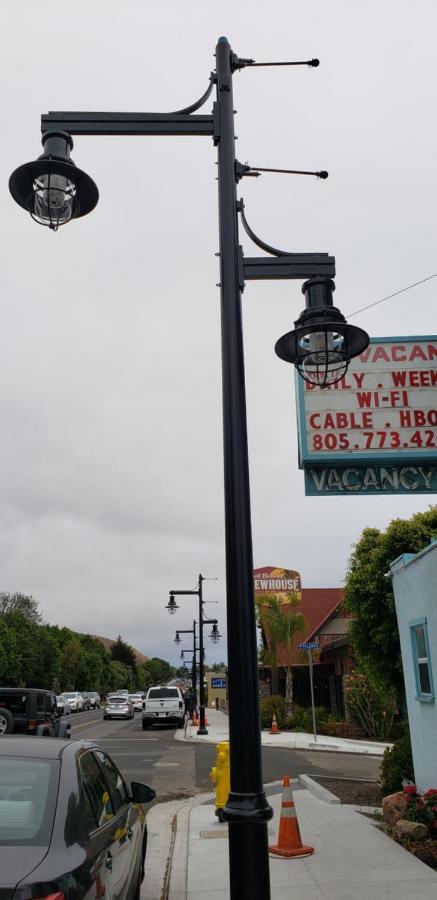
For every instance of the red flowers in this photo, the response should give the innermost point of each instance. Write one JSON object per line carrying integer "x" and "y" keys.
{"x": 410, "y": 789}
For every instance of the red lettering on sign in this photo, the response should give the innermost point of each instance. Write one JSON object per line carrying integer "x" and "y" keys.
{"x": 414, "y": 418}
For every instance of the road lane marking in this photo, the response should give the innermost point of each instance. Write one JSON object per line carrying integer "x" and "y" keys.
{"x": 164, "y": 765}
{"x": 84, "y": 724}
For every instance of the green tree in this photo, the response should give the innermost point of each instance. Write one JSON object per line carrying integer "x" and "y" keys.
{"x": 123, "y": 652}
{"x": 369, "y": 594}
{"x": 159, "y": 670}
{"x": 283, "y": 622}
{"x": 23, "y": 604}
{"x": 144, "y": 678}
{"x": 9, "y": 655}
{"x": 120, "y": 676}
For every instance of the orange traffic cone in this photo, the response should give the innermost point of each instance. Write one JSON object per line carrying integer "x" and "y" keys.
{"x": 274, "y": 729}
{"x": 289, "y": 839}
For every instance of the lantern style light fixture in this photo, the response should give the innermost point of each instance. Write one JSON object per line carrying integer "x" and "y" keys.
{"x": 52, "y": 188}
{"x": 177, "y": 639}
{"x": 322, "y": 344}
{"x": 172, "y": 605}
{"x": 215, "y": 634}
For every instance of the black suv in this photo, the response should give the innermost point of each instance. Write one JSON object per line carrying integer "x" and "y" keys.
{"x": 30, "y": 711}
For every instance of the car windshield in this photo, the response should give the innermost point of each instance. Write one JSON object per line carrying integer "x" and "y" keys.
{"x": 162, "y": 693}
{"x": 28, "y": 789}
{"x": 117, "y": 700}
{"x": 68, "y": 696}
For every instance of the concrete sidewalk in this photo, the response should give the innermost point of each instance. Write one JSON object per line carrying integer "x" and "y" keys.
{"x": 353, "y": 860}
{"x": 218, "y": 730}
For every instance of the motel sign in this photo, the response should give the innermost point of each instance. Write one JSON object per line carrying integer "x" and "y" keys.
{"x": 375, "y": 431}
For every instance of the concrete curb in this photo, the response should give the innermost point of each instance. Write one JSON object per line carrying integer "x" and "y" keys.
{"x": 167, "y": 847}
{"x": 320, "y": 792}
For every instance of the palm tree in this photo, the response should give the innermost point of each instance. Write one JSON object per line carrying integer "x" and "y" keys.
{"x": 282, "y": 622}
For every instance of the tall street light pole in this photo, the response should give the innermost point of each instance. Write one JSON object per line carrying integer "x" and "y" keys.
{"x": 172, "y": 607}
{"x": 54, "y": 190}
{"x": 214, "y": 637}
{"x": 177, "y": 640}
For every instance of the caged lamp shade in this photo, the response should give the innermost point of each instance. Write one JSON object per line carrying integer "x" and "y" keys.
{"x": 322, "y": 343}
{"x": 52, "y": 188}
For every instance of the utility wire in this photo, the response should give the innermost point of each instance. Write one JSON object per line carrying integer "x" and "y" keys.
{"x": 389, "y": 296}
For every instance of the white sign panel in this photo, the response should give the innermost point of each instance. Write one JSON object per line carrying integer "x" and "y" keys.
{"x": 384, "y": 409}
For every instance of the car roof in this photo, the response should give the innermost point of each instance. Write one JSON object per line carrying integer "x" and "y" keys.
{"x": 15, "y": 690}
{"x": 25, "y": 746}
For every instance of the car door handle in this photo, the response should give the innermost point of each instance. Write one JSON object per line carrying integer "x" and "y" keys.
{"x": 108, "y": 862}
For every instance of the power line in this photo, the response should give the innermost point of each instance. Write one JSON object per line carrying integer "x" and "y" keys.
{"x": 389, "y": 296}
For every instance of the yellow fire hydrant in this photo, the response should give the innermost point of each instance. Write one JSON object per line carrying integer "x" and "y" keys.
{"x": 220, "y": 774}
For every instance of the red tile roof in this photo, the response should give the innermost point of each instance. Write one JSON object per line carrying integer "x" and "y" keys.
{"x": 317, "y": 605}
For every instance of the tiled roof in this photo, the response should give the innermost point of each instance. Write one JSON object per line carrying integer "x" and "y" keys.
{"x": 317, "y": 605}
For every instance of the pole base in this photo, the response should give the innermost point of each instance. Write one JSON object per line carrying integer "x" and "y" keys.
{"x": 202, "y": 730}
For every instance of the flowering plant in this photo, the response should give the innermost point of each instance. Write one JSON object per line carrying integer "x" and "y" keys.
{"x": 421, "y": 808}
{"x": 371, "y": 704}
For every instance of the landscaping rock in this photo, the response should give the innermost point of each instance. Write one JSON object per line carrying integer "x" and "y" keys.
{"x": 394, "y": 806}
{"x": 414, "y": 830}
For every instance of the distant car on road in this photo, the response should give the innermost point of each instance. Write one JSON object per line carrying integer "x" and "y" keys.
{"x": 94, "y": 699}
{"x": 118, "y": 708}
{"x": 163, "y": 704}
{"x": 70, "y": 826}
{"x": 30, "y": 711}
{"x": 63, "y": 706}
{"x": 75, "y": 700}
{"x": 137, "y": 701}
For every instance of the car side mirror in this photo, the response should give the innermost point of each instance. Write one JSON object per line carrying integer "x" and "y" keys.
{"x": 142, "y": 793}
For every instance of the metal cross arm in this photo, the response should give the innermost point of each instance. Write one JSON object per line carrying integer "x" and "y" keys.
{"x": 126, "y": 123}
{"x": 295, "y": 265}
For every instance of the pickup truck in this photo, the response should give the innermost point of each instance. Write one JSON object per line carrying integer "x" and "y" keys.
{"x": 162, "y": 705}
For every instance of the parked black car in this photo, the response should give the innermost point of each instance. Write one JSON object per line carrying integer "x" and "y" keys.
{"x": 68, "y": 822}
{"x": 30, "y": 711}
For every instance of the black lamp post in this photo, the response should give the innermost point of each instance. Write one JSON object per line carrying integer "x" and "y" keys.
{"x": 178, "y": 640}
{"x": 214, "y": 637}
{"x": 172, "y": 608}
{"x": 54, "y": 191}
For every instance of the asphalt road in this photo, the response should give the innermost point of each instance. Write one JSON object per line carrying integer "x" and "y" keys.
{"x": 176, "y": 768}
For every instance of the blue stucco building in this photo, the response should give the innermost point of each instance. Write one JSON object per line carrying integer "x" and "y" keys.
{"x": 414, "y": 579}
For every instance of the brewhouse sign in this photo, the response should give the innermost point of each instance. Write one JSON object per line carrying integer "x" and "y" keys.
{"x": 280, "y": 582}
{"x": 375, "y": 431}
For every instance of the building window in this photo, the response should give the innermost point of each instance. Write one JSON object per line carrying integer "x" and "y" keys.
{"x": 422, "y": 661}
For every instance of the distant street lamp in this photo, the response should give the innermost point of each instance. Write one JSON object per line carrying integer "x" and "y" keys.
{"x": 54, "y": 191}
{"x": 194, "y": 651}
{"x": 172, "y": 607}
{"x": 214, "y": 637}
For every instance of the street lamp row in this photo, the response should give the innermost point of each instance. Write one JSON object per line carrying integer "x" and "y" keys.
{"x": 55, "y": 191}
{"x": 215, "y": 635}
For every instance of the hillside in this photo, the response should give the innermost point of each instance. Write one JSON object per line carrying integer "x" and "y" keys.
{"x": 108, "y": 642}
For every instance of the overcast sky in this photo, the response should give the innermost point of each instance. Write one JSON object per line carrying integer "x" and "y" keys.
{"x": 111, "y": 473}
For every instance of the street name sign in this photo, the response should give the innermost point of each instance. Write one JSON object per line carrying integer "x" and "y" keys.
{"x": 312, "y": 645}
{"x": 374, "y": 431}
